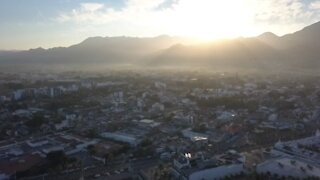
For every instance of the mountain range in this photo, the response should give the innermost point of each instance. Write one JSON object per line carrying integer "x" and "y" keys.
{"x": 298, "y": 51}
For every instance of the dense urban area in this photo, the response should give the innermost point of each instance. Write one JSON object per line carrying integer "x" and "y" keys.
{"x": 153, "y": 125}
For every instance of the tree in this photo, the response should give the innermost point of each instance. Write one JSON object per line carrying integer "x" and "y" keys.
{"x": 57, "y": 160}
{"x": 146, "y": 142}
{"x": 161, "y": 173}
{"x": 107, "y": 157}
{"x": 202, "y": 128}
{"x": 36, "y": 121}
{"x": 93, "y": 133}
{"x": 91, "y": 149}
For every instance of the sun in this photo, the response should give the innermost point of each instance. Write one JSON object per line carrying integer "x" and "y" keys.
{"x": 212, "y": 19}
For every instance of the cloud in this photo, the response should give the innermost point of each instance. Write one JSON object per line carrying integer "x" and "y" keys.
{"x": 144, "y": 4}
{"x": 94, "y": 13}
{"x": 190, "y": 17}
{"x": 91, "y": 7}
{"x": 315, "y": 5}
{"x": 281, "y": 11}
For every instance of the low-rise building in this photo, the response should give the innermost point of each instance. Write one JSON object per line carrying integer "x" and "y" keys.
{"x": 187, "y": 167}
{"x": 288, "y": 167}
{"x": 122, "y": 137}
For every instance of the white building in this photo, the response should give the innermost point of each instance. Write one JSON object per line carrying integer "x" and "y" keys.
{"x": 217, "y": 172}
{"x": 295, "y": 158}
{"x": 37, "y": 143}
{"x": 189, "y": 167}
{"x": 226, "y": 116}
{"x": 194, "y": 136}
{"x": 64, "y": 124}
{"x": 80, "y": 147}
{"x": 149, "y": 123}
{"x": 122, "y": 137}
{"x": 286, "y": 167}
{"x": 52, "y": 149}
{"x": 300, "y": 149}
{"x": 17, "y": 95}
{"x": 157, "y": 107}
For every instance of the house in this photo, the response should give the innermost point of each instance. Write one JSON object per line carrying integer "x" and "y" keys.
{"x": 187, "y": 167}
{"x": 285, "y": 167}
{"x": 157, "y": 107}
{"x": 37, "y": 142}
{"x": 101, "y": 150}
{"x": 194, "y": 136}
{"x": 122, "y": 137}
{"x": 62, "y": 125}
{"x": 10, "y": 168}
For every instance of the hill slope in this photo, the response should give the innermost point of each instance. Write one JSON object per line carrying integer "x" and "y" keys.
{"x": 267, "y": 51}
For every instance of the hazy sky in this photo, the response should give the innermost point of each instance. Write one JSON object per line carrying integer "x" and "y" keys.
{"x": 28, "y": 24}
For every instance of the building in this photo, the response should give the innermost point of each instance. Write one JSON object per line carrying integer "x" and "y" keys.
{"x": 9, "y": 168}
{"x": 194, "y": 136}
{"x": 288, "y": 167}
{"x": 187, "y": 167}
{"x": 3, "y": 99}
{"x": 18, "y": 95}
{"x": 122, "y": 137}
{"x": 298, "y": 158}
{"x": 306, "y": 149}
{"x": 37, "y": 142}
{"x": 62, "y": 125}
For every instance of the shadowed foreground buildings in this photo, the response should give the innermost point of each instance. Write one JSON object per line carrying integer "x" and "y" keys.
{"x": 152, "y": 126}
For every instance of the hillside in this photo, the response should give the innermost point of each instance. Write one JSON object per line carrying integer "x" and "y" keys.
{"x": 267, "y": 51}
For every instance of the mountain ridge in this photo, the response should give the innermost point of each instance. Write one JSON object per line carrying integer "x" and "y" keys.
{"x": 266, "y": 51}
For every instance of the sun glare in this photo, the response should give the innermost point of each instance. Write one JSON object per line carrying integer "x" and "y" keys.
{"x": 212, "y": 19}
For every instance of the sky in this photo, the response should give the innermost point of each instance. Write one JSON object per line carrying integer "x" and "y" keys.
{"x": 26, "y": 24}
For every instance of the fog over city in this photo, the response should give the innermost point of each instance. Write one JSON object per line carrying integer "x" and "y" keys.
{"x": 159, "y": 89}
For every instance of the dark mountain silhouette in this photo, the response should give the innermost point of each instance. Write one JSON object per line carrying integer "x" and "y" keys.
{"x": 92, "y": 52}
{"x": 298, "y": 51}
